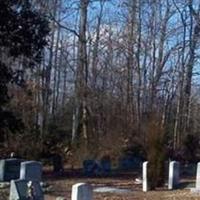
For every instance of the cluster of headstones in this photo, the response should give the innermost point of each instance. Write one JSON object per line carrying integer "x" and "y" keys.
{"x": 24, "y": 177}
{"x": 95, "y": 168}
{"x": 173, "y": 180}
{"x": 174, "y": 176}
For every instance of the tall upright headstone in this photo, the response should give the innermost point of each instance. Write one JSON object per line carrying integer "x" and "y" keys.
{"x": 19, "y": 189}
{"x": 174, "y": 170}
{"x": 31, "y": 170}
{"x": 196, "y": 189}
{"x": 144, "y": 177}
{"x": 81, "y": 191}
{"x": 198, "y": 177}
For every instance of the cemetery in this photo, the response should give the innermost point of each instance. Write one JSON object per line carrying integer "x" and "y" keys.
{"x": 99, "y": 99}
{"x": 26, "y": 180}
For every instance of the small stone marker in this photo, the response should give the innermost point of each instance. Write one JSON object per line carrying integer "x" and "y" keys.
{"x": 10, "y": 169}
{"x": 173, "y": 175}
{"x": 81, "y": 191}
{"x": 20, "y": 189}
{"x": 31, "y": 170}
{"x": 144, "y": 177}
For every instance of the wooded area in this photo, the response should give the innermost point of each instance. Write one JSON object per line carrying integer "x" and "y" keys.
{"x": 91, "y": 78}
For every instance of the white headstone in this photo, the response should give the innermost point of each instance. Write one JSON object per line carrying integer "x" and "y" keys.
{"x": 144, "y": 177}
{"x": 31, "y": 170}
{"x": 81, "y": 191}
{"x": 173, "y": 175}
{"x": 198, "y": 177}
{"x": 19, "y": 190}
{"x": 197, "y": 186}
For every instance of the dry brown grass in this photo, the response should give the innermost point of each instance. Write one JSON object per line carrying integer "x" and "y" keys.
{"x": 63, "y": 188}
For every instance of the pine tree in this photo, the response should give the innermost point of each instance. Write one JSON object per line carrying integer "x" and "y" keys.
{"x": 23, "y": 33}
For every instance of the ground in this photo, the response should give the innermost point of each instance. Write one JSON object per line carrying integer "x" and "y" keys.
{"x": 62, "y": 187}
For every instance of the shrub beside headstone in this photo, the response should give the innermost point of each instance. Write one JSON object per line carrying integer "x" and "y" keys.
{"x": 155, "y": 154}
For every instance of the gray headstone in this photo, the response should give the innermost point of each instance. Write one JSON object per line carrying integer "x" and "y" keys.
{"x": 81, "y": 191}
{"x": 10, "y": 169}
{"x": 91, "y": 168}
{"x": 174, "y": 170}
{"x": 19, "y": 190}
{"x": 144, "y": 177}
{"x": 31, "y": 170}
{"x": 105, "y": 166}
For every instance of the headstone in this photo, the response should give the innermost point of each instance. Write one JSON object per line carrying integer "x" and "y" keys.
{"x": 57, "y": 164}
{"x": 91, "y": 167}
{"x": 144, "y": 177}
{"x": 198, "y": 177}
{"x": 129, "y": 162}
{"x": 31, "y": 170}
{"x": 105, "y": 166}
{"x": 197, "y": 186}
{"x": 10, "y": 169}
{"x": 81, "y": 191}
{"x": 174, "y": 168}
{"x": 20, "y": 189}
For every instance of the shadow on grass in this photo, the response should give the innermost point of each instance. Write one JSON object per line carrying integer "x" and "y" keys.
{"x": 185, "y": 185}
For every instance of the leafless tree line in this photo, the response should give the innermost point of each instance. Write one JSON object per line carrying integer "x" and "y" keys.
{"x": 112, "y": 65}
